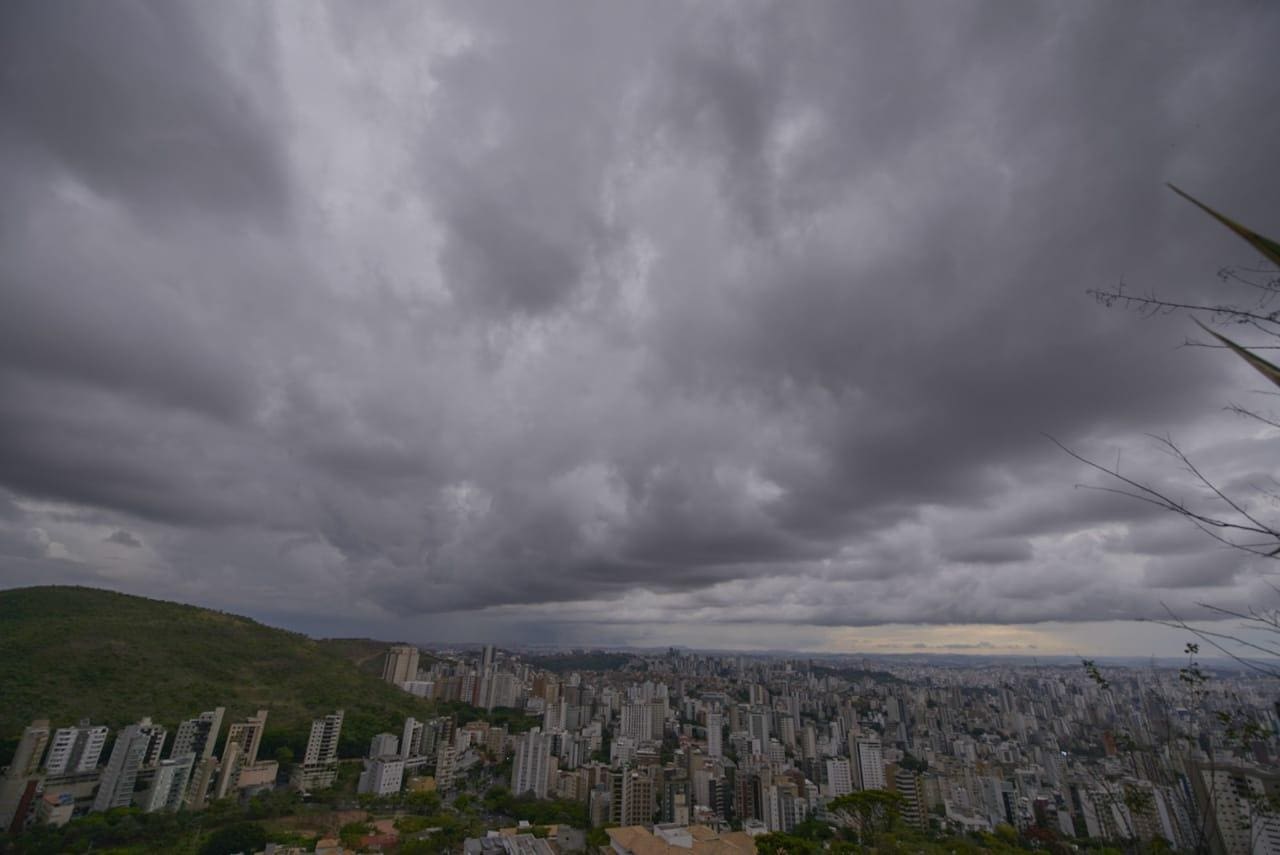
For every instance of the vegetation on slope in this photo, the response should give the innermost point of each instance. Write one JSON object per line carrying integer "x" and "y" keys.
{"x": 368, "y": 654}
{"x": 68, "y": 653}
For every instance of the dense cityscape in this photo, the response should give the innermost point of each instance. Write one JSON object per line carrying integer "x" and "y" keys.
{"x": 719, "y": 753}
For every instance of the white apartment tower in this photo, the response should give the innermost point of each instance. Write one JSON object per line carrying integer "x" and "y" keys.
{"x": 322, "y": 745}
{"x": 529, "y": 773}
{"x": 870, "y": 760}
{"x": 839, "y": 777}
{"x": 411, "y": 738}
{"x": 382, "y": 776}
{"x": 319, "y": 767}
{"x": 75, "y": 750}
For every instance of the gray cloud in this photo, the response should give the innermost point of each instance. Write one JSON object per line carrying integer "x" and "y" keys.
{"x": 140, "y": 104}
{"x": 542, "y": 316}
{"x": 123, "y": 538}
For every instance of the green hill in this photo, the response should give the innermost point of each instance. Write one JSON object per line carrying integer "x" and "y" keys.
{"x": 368, "y": 654}
{"x": 68, "y": 653}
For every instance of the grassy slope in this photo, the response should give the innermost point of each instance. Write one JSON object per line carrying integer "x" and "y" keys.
{"x": 72, "y": 652}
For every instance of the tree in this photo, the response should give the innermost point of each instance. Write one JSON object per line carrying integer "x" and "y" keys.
{"x": 872, "y": 811}
{"x": 777, "y": 843}
{"x": 1246, "y": 523}
{"x": 240, "y": 837}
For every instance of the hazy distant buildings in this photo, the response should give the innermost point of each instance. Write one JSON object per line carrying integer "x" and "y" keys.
{"x": 401, "y": 665}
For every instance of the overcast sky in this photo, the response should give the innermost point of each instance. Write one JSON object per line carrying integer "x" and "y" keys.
{"x": 736, "y": 324}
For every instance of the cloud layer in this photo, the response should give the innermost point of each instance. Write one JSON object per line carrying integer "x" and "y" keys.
{"x": 558, "y": 315}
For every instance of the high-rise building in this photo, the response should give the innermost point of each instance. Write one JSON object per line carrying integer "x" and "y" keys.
{"x": 638, "y": 803}
{"x": 715, "y": 735}
{"x": 504, "y": 691}
{"x": 16, "y": 787}
{"x": 787, "y": 729}
{"x": 1239, "y": 820}
{"x": 248, "y": 735}
{"x": 809, "y": 742}
{"x": 26, "y": 760}
{"x": 784, "y": 807}
{"x": 322, "y": 744}
{"x": 168, "y": 784}
{"x": 446, "y": 766}
{"x": 401, "y": 665}
{"x": 758, "y": 726}
{"x": 530, "y": 770}
{"x": 637, "y": 722}
{"x": 839, "y": 777}
{"x": 382, "y": 776}
{"x": 747, "y": 796}
{"x": 907, "y": 784}
{"x": 201, "y": 782}
{"x": 133, "y": 748}
{"x": 319, "y": 767}
{"x": 240, "y": 750}
{"x": 411, "y": 738}
{"x": 75, "y": 750}
{"x": 870, "y": 764}
{"x": 196, "y": 736}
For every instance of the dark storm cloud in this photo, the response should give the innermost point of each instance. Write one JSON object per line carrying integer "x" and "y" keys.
{"x": 551, "y": 313}
{"x": 136, "y": 102}
{"x": 990, "y": 552}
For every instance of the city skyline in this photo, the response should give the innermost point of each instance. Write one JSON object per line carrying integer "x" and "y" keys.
{"x": 730, "y": 327}
{"x": 687, "y": 746}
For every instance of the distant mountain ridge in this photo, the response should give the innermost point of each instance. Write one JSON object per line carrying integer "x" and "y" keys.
{"x": 68, "y": 653}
